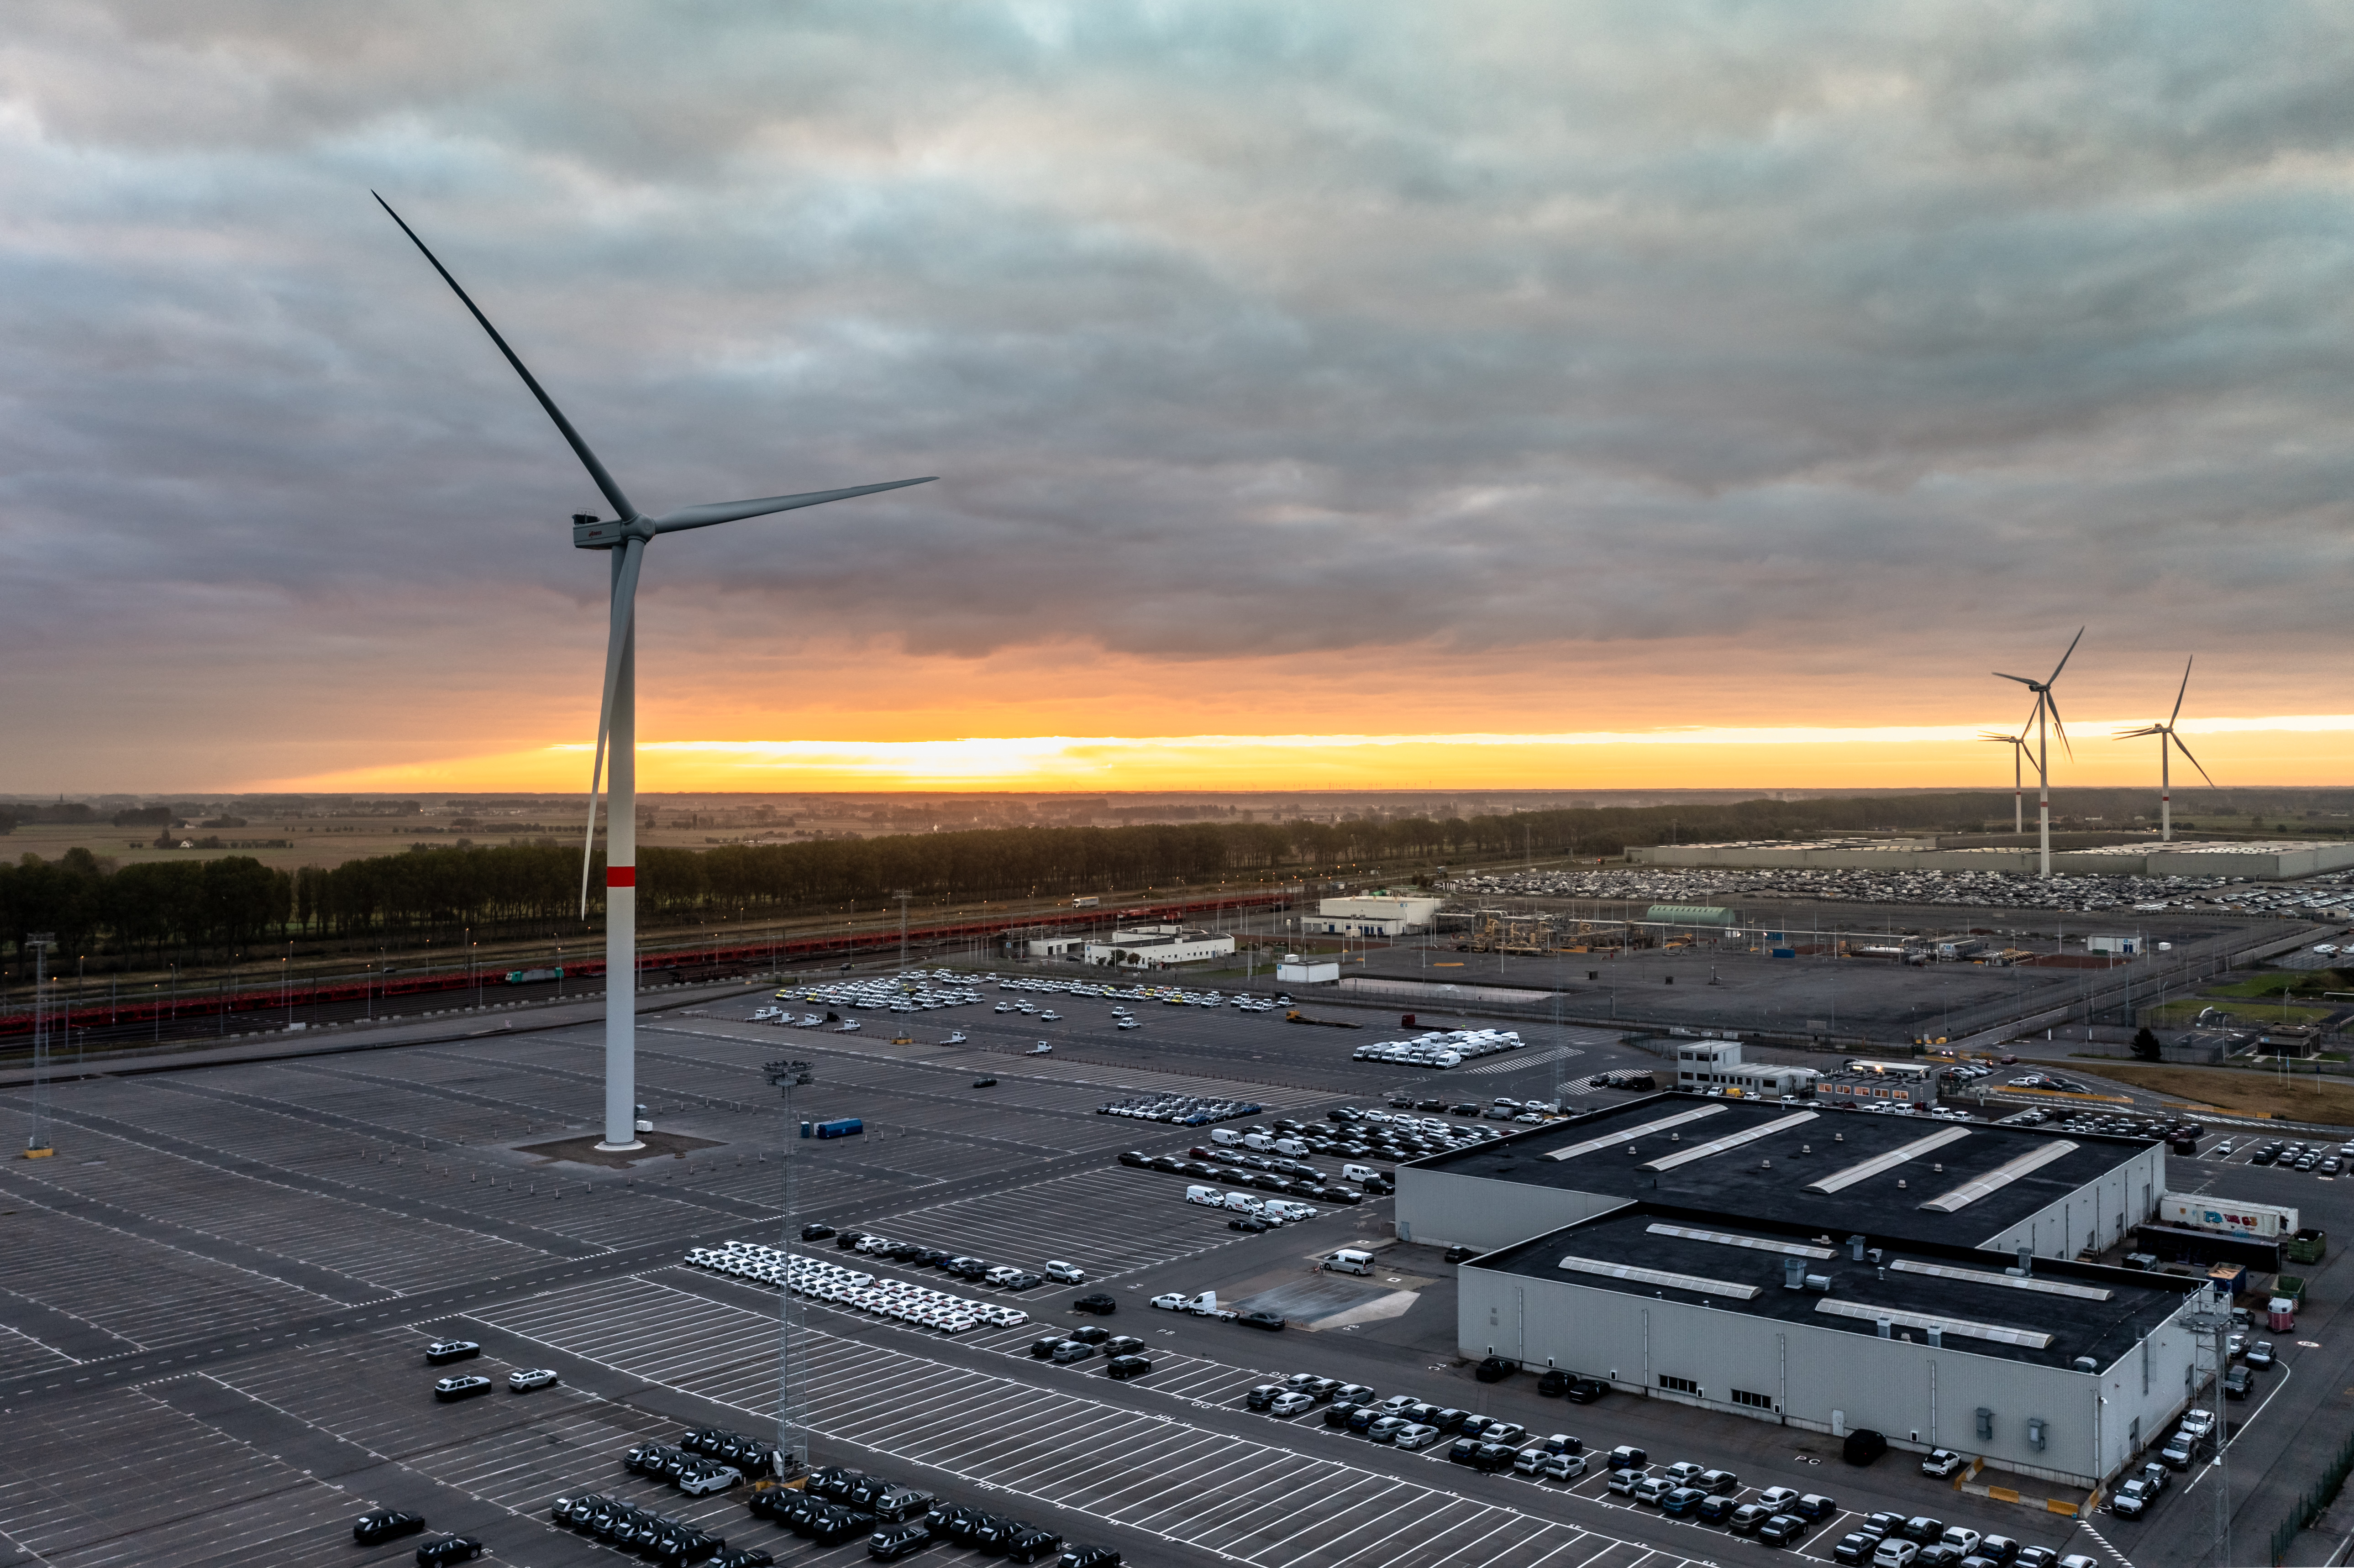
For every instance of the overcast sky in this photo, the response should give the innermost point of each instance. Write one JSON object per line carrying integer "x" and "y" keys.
{"x": 1382, "y": 369}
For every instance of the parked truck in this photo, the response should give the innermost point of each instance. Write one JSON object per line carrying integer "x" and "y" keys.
{"x": 2225, "y": 1216}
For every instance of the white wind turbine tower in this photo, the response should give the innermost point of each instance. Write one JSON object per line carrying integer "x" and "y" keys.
{"x": 2167, "y": 743}
{"x": 2018, "y": 744}
{"x": 626, "y": 536}
{"x": 2046, "y": 704}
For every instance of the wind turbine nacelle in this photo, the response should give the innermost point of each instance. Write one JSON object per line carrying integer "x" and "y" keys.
{"x": 598, "y": 532}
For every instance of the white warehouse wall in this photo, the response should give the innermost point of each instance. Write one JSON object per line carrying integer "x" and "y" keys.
{"x": 1823, "y": 1378}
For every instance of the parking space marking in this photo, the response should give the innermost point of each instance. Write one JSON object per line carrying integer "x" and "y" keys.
{"x": 1065, "y": 1449}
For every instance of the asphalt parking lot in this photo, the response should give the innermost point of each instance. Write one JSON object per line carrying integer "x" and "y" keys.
{"x": 237, "y": 1266}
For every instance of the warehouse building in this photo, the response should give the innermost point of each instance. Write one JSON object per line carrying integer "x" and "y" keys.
{"x": 1885, "y": 1293}
{"x": 2063, "y": 1373}
{"x": 1372, "y": 915}
{"x": 1897, "y": 1177}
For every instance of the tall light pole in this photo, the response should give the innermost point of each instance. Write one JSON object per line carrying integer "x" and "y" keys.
{"x": 902, "y": 894}
{"x": 37, "y": 1143}
{"x": 792, "y": 1421}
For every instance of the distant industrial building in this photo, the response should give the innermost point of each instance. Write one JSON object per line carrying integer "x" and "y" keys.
{"x": 1917, "y": 1278}
{"x": 1705, "y": 1066}
{"x": 1158, "y": 947}
{"x": 1294, "y": 969}
{"x": 2269, "y": 862}
{"x": 1372, "y": 915}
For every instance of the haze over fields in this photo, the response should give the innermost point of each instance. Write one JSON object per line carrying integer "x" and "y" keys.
{"x": 1346, "y": 396}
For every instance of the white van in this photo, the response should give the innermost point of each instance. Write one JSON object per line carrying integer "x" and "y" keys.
{"x": 1284, "y": 1208}
{"x": 1358, "y": 1173}
{"x": 1243, "y": 1203}
{"x": 1259, "y": 1141}
{"x": 1225, "y": 1135}
{"x": 1208, "y": 1195}
{"x": 1348, "y": 1260}
{"x": 1292, "y": 1147}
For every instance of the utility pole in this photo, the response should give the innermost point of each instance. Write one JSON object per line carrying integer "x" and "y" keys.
{"x": 792, "y": 1419}
{"x": 902, "y": 894}
{"x": 2216, "y": 1325}
{"x": 38, "y": 1144}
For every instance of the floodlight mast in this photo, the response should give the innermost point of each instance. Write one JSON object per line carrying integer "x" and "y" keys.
{"x": 626, "y": 535}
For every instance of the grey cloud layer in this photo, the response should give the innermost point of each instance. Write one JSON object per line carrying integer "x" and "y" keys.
{"x": 1233, "y": 329}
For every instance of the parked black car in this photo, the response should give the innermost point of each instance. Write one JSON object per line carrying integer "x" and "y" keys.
{"x": 1494, "y": 1369}
{"x": 1089, "y": 1557}
{"x": 1124, "y": 1367}
{"x": 1027, "y": 1542}
{"x": 1261, "y": 1319}
{"x": 899, "y": 1539}
{"x": 383, "y": 1523}
{"x": 1863, "y": 1445}
{"x": 816, "y": 1232}
{"x": 449, "y": 1549}
{"x": 1099, "y": 1303}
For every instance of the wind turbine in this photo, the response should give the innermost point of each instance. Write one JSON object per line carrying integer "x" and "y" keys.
{"x": 2166, "y": 741}
{"x": 626, "y": 536}
{"x": 2018, "y": 744}
{"x": 2046, "y": 703}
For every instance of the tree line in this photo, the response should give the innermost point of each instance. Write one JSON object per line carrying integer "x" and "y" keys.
{"x": 159, "y": 909}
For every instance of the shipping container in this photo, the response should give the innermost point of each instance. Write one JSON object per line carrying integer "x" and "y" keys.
{"x": 841, "y": 1128}
{"x": 2205, "y": 1212}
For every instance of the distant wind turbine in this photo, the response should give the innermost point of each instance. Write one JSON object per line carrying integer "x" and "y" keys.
{"x": 2045, "y": 703}
{"x": 2018, "y": 744}
{"x": 2167, "y": 741}
{"x": 626, "y": 536}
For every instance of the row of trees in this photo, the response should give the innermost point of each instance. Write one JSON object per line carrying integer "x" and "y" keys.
{"x": 234, "y": 901}
{"x": 91, "y": 906}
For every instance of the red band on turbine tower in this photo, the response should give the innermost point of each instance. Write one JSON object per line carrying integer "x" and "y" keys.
{"x": 621, "y": 876}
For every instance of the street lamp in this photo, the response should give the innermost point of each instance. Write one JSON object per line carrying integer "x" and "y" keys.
{"x": 38, "y": 1142}
{"x": 792, "y": 1424}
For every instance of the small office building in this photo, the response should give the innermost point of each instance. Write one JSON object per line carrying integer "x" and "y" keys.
{"x": 1715, "y": 1066}
{"x": 1158, "y": 947}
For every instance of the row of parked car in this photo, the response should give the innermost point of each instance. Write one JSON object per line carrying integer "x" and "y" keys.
{"x": 1124, "y": 1353}
{"x": 979, "y": 1271}
{"x": 1892, "y": 1540}
{"x": 1275, "y": 1173}
{"x": 629, "y": 1527}
{"x": 919, "y": 1306}
{"x": 907, "y": 1520}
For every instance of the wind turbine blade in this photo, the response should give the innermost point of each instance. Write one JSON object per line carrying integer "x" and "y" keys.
{"x": 2020, "y": 679}
{"x": 734, "y": 511}
{"x": 1996, "y": 735}
{"x": 2065, "y": 657}
{"x": 2177, "y": 696}
{"x": 2136, "y": 734}
{"x": 625, "y": 600}
{"x": 2194, "y": 761}
{"x": 580, "y": 448}
{"x": 2053, "y": 706}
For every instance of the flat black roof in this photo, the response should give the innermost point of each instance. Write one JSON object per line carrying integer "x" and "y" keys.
{"x": 1695, "y": 1256}
{"x": 1791, "y": 1146}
